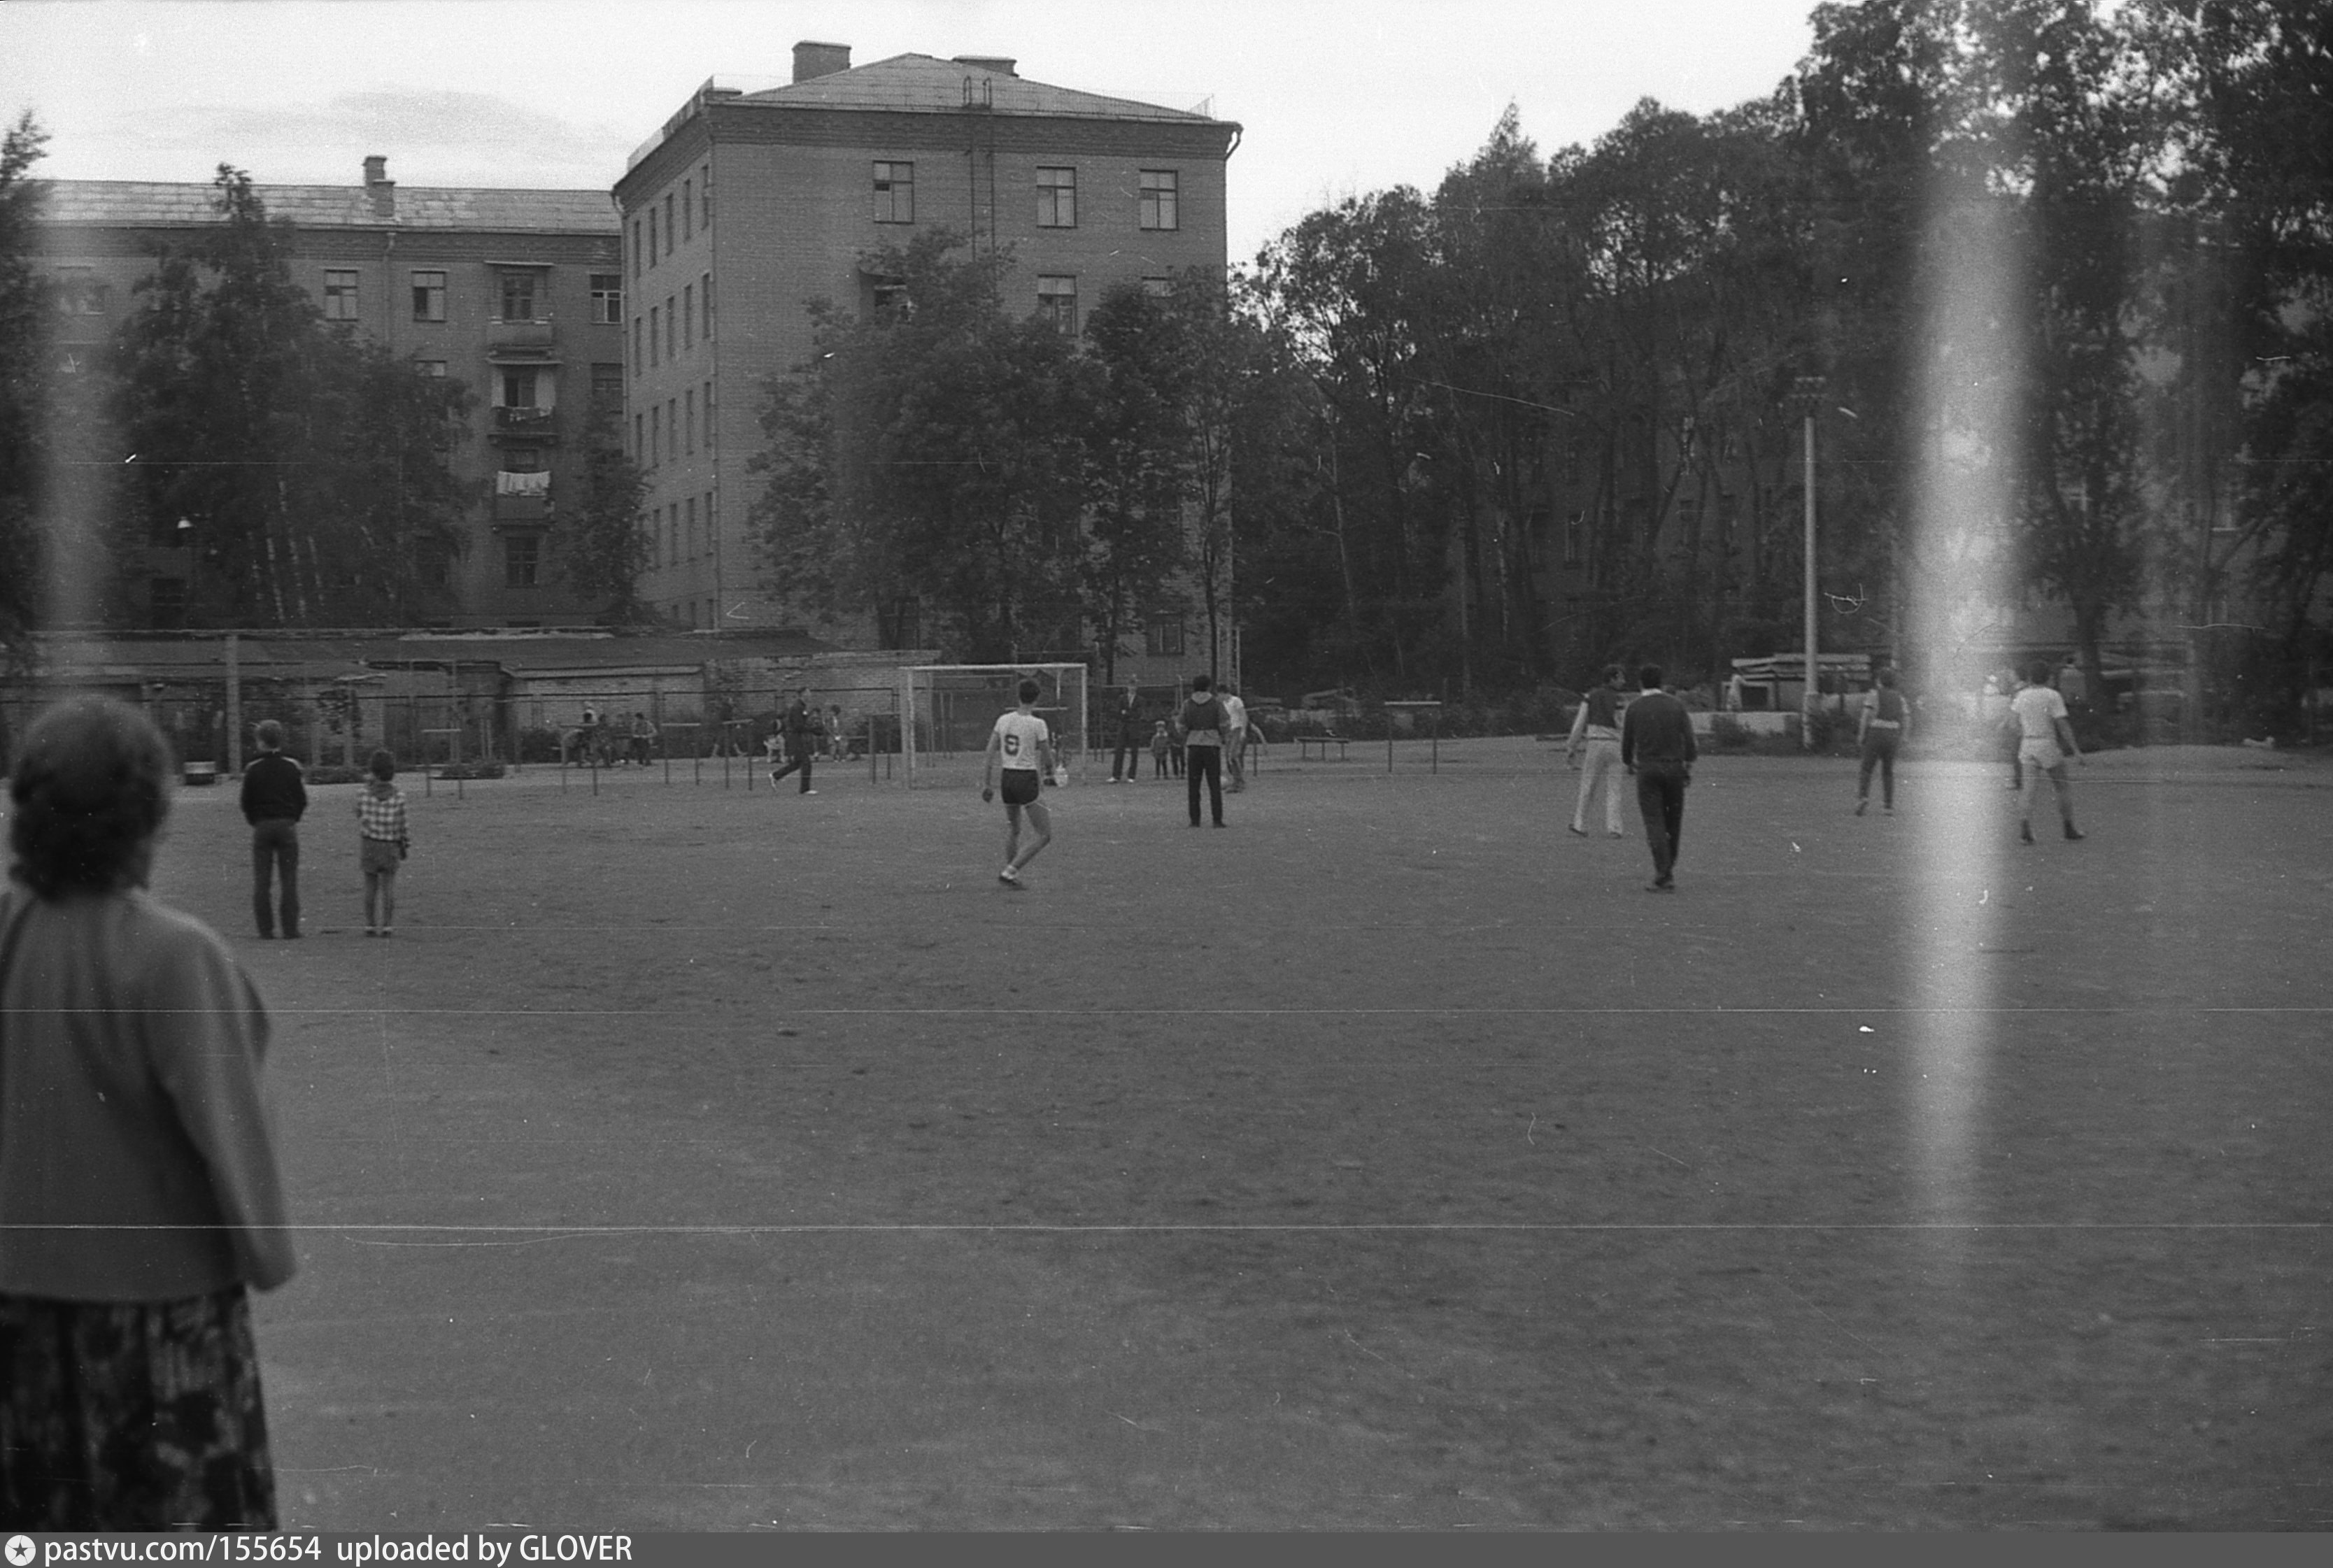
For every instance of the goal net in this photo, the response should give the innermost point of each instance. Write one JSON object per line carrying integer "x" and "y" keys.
{"x": 950, "y": 710}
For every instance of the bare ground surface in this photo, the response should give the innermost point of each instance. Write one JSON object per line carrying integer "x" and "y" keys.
{"x": 695, "y": 1158}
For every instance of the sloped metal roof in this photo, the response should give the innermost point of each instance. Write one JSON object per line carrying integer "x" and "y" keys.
{"x": 156, "y": 204}
{"x": 925, "y": 84}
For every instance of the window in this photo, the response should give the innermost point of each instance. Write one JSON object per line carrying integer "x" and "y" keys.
{"x": 606, "y": 385}
{"x": 895, "y": 192}
{"x": 640, "y": 439}
{"x": 688, "y": 424}
{"x": 607, "y": 299}
{"x": 1162, "y": 634}
{"x": 518, "y": 386}
{"x": 655, "y": 436}
{"x": 672, "y": 425}
{"x": 671, "y": 326}
{"x": 433, "y": 562}
{"x": 692, "y": 525}
{"x": 688, "y": 316}
{"x": 1057, "y": 302}
{"x": 428, "y": 296}
{"x": 705, "y": 198}
{"x": 637, "y": 362}
{"x": 1057, "y": 199}
{"x": 339, "y": 295}
{"x": 521, "y": 559}
{"x": 687, "y": 211}
{"x": 433, "y": 368}
{"x": 654, "y": 332}
{"x": 708, "y": 417}
{"x": 708, "y": 333}
{"x": 79, "y": 293}
{"x": 521, "y": 460}
{"x": 168, "y": 603}
{"x": 636, "y": 247}
{"x": 518, "y": 294}
{"x": 1158, "y": 199}
{"x": 652, "y": 238}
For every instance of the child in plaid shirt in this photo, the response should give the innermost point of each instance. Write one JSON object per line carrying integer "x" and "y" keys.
{"x": 382, "y": 841}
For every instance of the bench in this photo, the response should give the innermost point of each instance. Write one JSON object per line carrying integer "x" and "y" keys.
{"x": 1304, "y": 744}
{"x": 202, "y": 773}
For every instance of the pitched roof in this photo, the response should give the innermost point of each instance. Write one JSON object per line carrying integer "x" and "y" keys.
{"x": 925, "y": 84}
{"x": 157, "y": 204}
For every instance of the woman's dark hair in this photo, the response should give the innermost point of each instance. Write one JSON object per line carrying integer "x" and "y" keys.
{"x": 91, "y": 788}
{"x": 381, "y": 764}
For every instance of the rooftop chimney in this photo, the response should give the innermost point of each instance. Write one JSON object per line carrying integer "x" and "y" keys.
{"x": 996, "y": 65}
{"x": 812, "y": 60}
{"x": 380, "y": 187}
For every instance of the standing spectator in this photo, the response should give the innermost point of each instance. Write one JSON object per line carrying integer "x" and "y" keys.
{"x": 1204, "y": 723}
{"x": 801, "y": 726}
{"x": 838, "y": 744}
{"x": 1175, "y": 737}
{"x": 1735, "y": 691}
{"x": 2045, "y": 740}
{"x": 139, "y": 1196}
{"x": 1125, "y": 760}
{"x": 644, "y": 735}
{"x": 274, "y": 798}
{"x": 383, "y": 840}
{"x": 1160, "y": 743}
{"x": 1236, "y": 737}
{"x": 2075, "y": 687}
{"x": 1656, "y": 745}
{"x": 1597, "y": 726}
{"x": 1885, "y": 723}
{"x": 1024, "y": 745}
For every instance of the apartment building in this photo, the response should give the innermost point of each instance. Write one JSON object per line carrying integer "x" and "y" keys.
{"x": 748, "y": 205}
{"x": 517, "y": 293}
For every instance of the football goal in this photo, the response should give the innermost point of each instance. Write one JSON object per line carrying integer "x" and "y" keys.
{"x": 949, "y": 709}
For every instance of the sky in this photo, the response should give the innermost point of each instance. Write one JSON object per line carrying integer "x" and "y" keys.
{"x": 1336, "y": 99}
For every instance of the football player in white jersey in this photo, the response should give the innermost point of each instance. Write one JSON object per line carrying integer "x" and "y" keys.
{"x": 1024, "y": 747}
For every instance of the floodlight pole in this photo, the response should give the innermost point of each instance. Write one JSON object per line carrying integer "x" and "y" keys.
{"x": 1809, "y": 388}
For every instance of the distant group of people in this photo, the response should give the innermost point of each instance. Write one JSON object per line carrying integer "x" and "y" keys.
{"x": 596, "y": 739}
{"x": 1168, "y": 739}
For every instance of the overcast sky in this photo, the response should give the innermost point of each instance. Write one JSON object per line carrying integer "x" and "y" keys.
{"x": 1336, "y": 98}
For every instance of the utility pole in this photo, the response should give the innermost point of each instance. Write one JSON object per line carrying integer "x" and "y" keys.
{"x": 1810, "y": 392}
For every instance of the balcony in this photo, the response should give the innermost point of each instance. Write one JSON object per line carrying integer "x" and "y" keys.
{"x": 526, "y": 424}
{"x": 522, "y": 510}
{"x": 519, "y": 338}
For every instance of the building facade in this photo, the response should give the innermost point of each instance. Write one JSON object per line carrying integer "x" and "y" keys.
{"x": 517, "y": 293}
{"x": 748, "y": 205}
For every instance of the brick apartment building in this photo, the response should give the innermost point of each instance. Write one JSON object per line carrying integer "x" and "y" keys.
{"x": 746, "y": 206}
{"x": 517, "y": 293}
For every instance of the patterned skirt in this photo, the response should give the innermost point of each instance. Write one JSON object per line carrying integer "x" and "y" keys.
{"x": 133, "y": 1416}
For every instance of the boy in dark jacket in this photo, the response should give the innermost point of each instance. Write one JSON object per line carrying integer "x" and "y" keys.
{"x": 274, "y": 798}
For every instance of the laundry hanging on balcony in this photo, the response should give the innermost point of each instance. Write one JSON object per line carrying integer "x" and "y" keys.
{"x": 509, "y": 483}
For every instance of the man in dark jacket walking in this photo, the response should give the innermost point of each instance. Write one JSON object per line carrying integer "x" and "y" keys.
{"x": 274, "y": 798}
{"x": 1126, "y": 761}
{"x": 802, "y": 740}
{"x": 1656, "y": 746}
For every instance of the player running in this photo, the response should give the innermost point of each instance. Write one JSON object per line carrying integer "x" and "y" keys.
{"x": 1022, "y": 744}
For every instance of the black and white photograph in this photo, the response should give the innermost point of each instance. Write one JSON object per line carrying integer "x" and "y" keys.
{"x": 942, "y": 766}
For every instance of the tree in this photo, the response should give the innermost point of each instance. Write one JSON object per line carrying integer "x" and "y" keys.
{"x": 1138, "y": 476}
{"x": 302, "y": 464}
{"x": 934, "y": 449}
{"x": 607, "y": 544}
{"x": 25, "y": 375}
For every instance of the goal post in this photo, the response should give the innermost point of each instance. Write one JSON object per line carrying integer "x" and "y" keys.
{"x": 947, "y": 712}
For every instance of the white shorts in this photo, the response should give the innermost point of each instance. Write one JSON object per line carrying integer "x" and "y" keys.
{"x": 2043, "y": 754}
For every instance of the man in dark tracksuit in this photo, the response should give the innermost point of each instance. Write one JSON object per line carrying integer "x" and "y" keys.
{"x": 1656, "y": 746}
{"x": 274, "y": 798}
{"x": 1125, "y": 763}
{"x": 802, "y": 740}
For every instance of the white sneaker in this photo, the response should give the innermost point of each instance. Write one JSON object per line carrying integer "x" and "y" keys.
{"x": 809, "y": 791}
{"x": 1010, "y": 878}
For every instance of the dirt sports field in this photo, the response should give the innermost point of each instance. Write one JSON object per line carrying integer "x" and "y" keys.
{"x": 695, "y": 1158}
